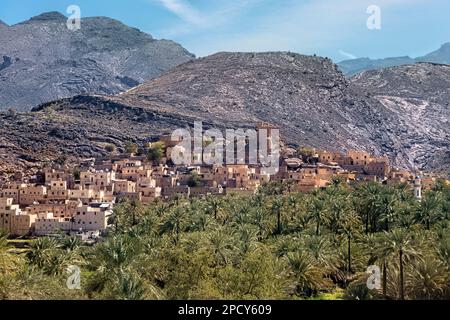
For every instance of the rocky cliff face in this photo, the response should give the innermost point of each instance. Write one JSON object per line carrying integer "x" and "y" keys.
{"x": 419, "y": 97}
{"x": 402, "y": 112}
{"x": 42, "y": 60}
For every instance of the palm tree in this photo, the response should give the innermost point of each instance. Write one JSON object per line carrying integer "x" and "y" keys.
{"x": 161, "y": 209}
{"x": 71, "y": 244}
{"x": 398, "y": 243}
{"x": 276, "y": 208}
{"x": 374, "y": 247}
{"x": 221, "y": 245}
{"x": 366, "y": 200}
{"x": 387, "y": 205}
{"x": 174, "y": 222}
{"x": 116, "y": 253}
{"x": 125, "y": 215}
{"x": 337, "y": 207}
{"x": 248, "y": 236}
{"x": 428, "y": 280}
{"x": 241, "y": 218}
{"x": 306, "y": 277}
{"x": 213, "y": 205}
{"x": 429, "y": 209}
{"x": 135, "y": 209}
{"x": 261, "y": 219}
{"x": 349, "y": 225}
{"x": 128, "y": 287}
{"x": 41, "y": 251}
{"x": 318, "y": 211}
{"x": 324, "y": 254}
{"x": 293, "y": 201}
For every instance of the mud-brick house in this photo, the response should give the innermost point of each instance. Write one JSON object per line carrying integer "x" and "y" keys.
{"x": 31, "y": 194}
{"x": 13, "y": 220}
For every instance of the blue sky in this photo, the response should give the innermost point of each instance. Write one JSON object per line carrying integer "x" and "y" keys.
{"x": 332, "y": 28}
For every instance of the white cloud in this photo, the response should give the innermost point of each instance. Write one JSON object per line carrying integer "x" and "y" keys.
{"x": 184, "y": 10}
{"x": 193, "y": 19}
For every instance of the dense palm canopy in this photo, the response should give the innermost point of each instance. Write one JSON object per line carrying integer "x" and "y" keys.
{"x": 276, "y": 244}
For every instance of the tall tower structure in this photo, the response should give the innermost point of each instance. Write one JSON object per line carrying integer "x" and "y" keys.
{"x": 418, "y": 188}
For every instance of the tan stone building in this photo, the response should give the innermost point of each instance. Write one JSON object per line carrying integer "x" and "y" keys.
{"x": 124, "y": 186}
{"x": 13, "y": 220}
{"x": 31, "y": 194}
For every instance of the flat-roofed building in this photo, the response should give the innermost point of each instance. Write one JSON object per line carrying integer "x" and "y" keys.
{"x": 124, "y": 186}
{"x": 31, "y": 194}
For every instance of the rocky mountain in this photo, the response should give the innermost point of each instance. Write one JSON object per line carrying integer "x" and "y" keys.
{"x": 402, "y": 112}
{"x": 307, "y": 96}
{"x": 419, "y": 97}
{"x": 442, "y": 55}
{"x": 41, "y": 60}
{"x": 72, "y": 129}
{"x": 354, "y": 66}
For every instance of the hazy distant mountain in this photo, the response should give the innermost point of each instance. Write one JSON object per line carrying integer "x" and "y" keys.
{"x": 354, "y": 66}
{"x": 402, "y": 111}
{"x": 3, "y": 24}
{"x": 42, "y": 60}
{"x": 439, "y": 56}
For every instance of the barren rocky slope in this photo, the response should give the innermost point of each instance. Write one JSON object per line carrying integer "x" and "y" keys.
{"x": 41, "y": 60}
{"x": 308, "y": 97}
{"x": 419, "y": 95}
{"x": 72, "y": 129}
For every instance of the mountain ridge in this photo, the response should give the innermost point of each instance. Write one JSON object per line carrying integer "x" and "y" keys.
{"x": 307, "y": 97}
{"x": 104, "y": 56}
{"x": 354, "y": 66}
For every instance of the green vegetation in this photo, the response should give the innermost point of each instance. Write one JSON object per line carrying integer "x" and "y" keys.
{"x": 273, "y": 245}
{"x": 131, "y": 148}
{"x": 194, "y": 181}
{"x": 156, "y": 152}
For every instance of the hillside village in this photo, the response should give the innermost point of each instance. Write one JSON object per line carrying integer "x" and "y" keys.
{"x": 81, "y": 201}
